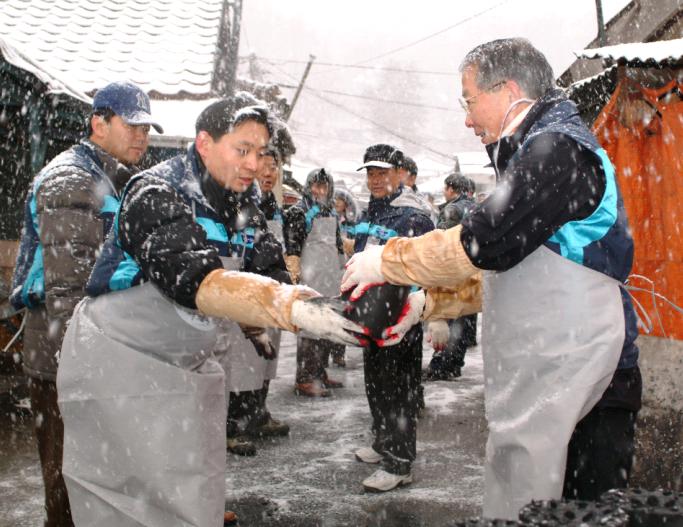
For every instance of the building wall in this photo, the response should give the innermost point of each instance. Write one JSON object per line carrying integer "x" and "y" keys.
{"x": 659, "y": 435}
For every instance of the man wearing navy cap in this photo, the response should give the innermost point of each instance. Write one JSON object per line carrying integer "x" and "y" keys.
{"x": 68, "y": 213}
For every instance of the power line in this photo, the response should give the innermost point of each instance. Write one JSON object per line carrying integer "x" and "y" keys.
{"x": 371, "y": 121}
{"x": 277, "y": 62}
{"x": 370, "y": 98}
{"x": 420, "y": 40}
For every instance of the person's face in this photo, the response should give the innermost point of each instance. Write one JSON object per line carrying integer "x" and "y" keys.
{"x": 126, "y": 142}
{"x": 340, "y": 206}
{"x": 485, "y": 109}
{"x": 449, "y": 193}
{"x": 235, "y": 159}
{"x": 383, "y": 182}
{"x": 268, "y": 175}
{"x": 319, "y": 192}
{"x": 410, "y": 181}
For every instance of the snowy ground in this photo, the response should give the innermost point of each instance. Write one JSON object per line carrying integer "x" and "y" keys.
{"x": 311, "y": 478}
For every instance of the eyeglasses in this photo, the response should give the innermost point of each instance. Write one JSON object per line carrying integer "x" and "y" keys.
{"x": 469, "y": 101}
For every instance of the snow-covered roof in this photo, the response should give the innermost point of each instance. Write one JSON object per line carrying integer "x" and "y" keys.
{"x": 55, "y": 82}
{"x": 660, "y": 51}
{"x": 164, "y": 46}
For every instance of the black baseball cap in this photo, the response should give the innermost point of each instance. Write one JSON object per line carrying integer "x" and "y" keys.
{"x": 382, "y": 156}
{"x": 410, "y": 165}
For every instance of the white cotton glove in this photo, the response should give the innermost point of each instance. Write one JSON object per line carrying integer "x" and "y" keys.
{"x": 363, "y": 271}
{"x": 437, "y": 334}
{"x": 316, "y": 317}
{"x": 411, "y": 314}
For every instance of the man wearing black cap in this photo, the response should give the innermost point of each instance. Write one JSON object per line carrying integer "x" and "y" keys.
{"x": 391, "y": 365}
{"x": 69, "y": 210}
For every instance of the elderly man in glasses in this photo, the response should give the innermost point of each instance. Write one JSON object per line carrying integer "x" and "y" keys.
{"x": 562, "y": 383}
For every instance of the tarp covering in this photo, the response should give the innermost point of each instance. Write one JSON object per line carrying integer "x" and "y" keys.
{"x": 642, "y": 129}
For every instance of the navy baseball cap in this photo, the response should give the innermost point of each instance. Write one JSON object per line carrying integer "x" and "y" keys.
{"x": 382, "y": 156}
{"x": 127, "y": 101}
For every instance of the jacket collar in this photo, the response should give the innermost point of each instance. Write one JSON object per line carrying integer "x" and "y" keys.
{"x": 539, "y": 116}
{"x": 117, "y": 172}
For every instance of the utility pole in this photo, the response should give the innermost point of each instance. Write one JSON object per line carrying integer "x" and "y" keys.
{"x": 225, "y": 65}
{"x": 602, "y": 37}
{"x": 311, "y": 58}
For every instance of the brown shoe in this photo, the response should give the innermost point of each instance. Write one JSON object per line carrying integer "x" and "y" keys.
{"x": 311, "y": 389}
{"x": 271, "y": 428}
{"x": 241, "y": 446}
{"x": 230, "y": 519}
{"x": 339, "y": 361}
{"x": 331, "y": 383}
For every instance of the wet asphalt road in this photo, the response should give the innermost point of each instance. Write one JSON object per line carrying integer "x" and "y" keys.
{"x": 311, "y": 477}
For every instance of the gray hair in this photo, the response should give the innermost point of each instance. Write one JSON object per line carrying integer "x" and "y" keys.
{"x": 511, "y": 59}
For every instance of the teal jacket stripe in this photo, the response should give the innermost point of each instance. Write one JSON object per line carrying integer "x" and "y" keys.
{"x": 127, "y": 269}
{"x": 310, "y": 216}
{"x": 35, "y": 279}
{"x": 574, "y": 236}
{"x": 377, "y": 231}
{"x": 244, "y": 238}
{"x": 214, "y": 231}
{"x": 110, "y": 205}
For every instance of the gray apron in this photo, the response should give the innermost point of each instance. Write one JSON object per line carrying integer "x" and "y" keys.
{"x": 244, "y": 369}
{"x": 321, "y": 267}
{"x": 275, "y": 227}
{"x": 143, "y": 403}
{"x": 552, "y": 335}
{"x": 275, "y": 334}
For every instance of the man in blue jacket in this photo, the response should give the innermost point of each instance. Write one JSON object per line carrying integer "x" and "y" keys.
{"x": 140, "y": 389}
{"x": 69, "y": 211}
{"x": 392, "y": 366}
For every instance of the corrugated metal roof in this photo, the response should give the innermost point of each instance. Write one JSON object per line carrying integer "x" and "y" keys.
{"x": 660, "y": 51}
{"x": 166, "y": 46}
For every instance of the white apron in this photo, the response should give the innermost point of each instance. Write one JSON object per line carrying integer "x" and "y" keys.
{"x": 244, "y": 369}
{"x": 143, "y": 403}
{"x": 552, "y": 335}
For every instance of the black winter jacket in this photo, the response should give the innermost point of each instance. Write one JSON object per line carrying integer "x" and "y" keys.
{"x": 454, "y": 211}
{"x": 157, "y": 228}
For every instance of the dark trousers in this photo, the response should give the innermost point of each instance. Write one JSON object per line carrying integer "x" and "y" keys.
{"x": 312, "y": 357}
{"x": 600, "y": 453}
{"x": 49, "y": 430}
{"x": 462, "y": 333}
{"x": 392, "y": 380}
{"x": 247, "y": 410}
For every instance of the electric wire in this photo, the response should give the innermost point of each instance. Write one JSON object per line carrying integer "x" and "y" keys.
{"x": 370, "y": 98}
{"x": 364, "y": 118}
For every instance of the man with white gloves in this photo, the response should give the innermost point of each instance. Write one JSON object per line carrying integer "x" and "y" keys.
{"x": 142, "y": 396}
{"x": 562, "y": 383}
{"x": 392, "y": 364}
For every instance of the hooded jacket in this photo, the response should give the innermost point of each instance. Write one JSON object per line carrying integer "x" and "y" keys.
{"x": 299, "y": 218}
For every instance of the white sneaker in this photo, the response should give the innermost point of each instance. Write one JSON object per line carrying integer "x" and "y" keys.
{"x": 382, "y": 481}
{"x": 367, "y": 454}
